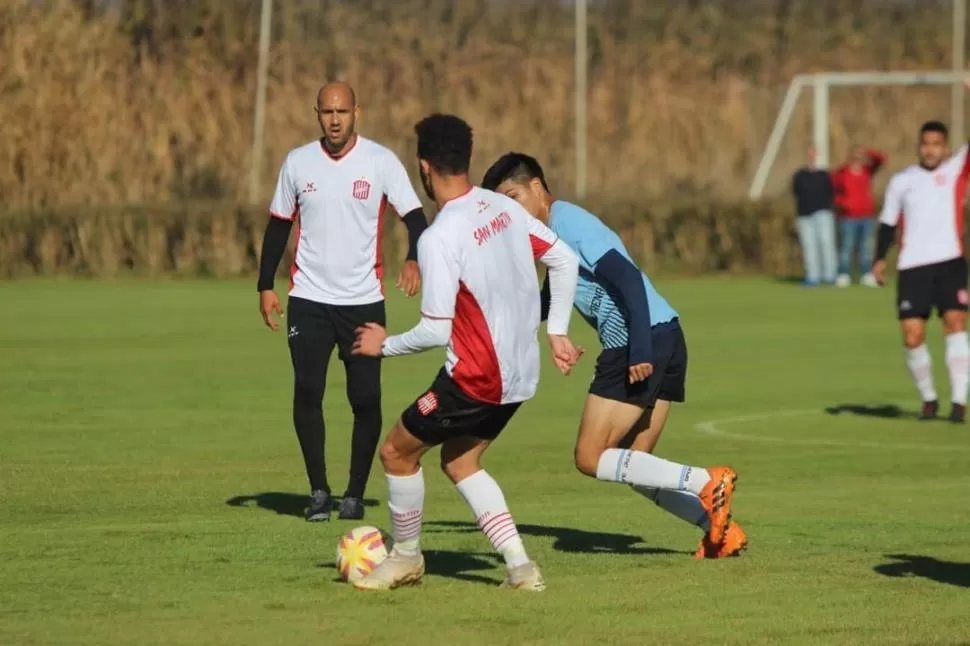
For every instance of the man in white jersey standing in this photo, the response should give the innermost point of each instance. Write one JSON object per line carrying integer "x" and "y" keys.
{"x": 338, "y": 187}
{"x": 926, "y": 200}
{"x": 480, "y": 299}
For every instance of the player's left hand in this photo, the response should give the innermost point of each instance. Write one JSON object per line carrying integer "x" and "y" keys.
{"x": 369, "y": 339}
{"x": 640, "y": 372}
{"x": 409, "y": 281}
{"x": 564, "y": 353}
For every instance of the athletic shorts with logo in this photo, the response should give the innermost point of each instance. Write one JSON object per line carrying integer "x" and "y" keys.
{"x": 445, "y": 412}
{"x": 942, "y": 286}
{"x": 314, "y": 329}
{"x": 611, "y": 379}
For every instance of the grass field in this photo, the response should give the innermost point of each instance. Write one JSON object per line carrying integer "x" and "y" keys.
{"x": 151, "y": 485}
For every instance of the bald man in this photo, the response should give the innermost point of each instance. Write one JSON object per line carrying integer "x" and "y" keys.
{"x": 338, "y": 187}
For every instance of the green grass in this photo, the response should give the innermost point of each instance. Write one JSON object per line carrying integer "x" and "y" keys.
{"x": 131, "y": 412}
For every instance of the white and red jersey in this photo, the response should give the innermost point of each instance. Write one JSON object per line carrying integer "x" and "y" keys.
{"x": 928, "y": 206}
{"x": 340, "y": 203}
{"x": 477, "y": 264}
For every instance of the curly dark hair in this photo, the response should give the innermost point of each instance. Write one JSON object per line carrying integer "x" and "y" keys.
{"x": 517, "y": 166}
{"x": 935, "y": 126}
{"x": 445, "y": 142}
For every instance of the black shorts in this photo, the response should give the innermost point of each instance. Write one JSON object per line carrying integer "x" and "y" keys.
{"x": 316, "y": 328}
{"x": 611, "y": 379}
{"x": 942, "y": 286}
{"x": 445, "y": 412}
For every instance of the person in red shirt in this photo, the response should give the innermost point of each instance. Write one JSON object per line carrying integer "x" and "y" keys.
{"x": 857, "y": 210}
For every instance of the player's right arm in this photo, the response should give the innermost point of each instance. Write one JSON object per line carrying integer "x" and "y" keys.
{"x": 440, "y": 277}
{"x": 282, "y": 210}
{"x": 558, "y": 290}
{"x": 892, "y": 209}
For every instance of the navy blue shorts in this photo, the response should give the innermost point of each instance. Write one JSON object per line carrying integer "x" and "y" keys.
{"x": 611, "y": 379}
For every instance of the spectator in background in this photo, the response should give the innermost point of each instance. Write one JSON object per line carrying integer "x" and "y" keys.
{"x": 814, "y": 195}
{"x": 857, "y": 211}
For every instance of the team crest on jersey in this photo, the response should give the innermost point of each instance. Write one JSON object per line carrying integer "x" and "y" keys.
{"x": 428, "y": 403}
{"x": 361, "y": 189}
{"x": 940, "y": 179}
{"x": 309, "y": 188}
{"x": 963, "y": 297}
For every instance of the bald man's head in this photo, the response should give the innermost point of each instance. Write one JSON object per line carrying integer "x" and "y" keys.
{"x": 337, "y": 114}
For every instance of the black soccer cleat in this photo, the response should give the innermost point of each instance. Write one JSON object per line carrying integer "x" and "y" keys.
{"x": 351, "y": 509}
{"x": 321, "y": 504}
{"x": 958, "y": 414}
{"x": 930, "y": 410}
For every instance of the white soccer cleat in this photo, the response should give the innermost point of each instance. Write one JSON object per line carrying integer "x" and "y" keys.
{"x": 843, "y": 280}
{"x": 525, "y": 577}
{"x": 869, "y": 280}
{"x": 395, "y": 571}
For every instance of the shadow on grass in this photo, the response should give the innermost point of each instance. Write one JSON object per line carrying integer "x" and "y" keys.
{"x": 884, "y": 411}
{"x": 566, "y": 539}
{"x": 451, "y": 565}
{"x": 926, "y": 567}
{"x": 284, "y": 504}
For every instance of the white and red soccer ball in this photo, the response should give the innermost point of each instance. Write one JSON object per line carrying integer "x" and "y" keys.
{"x": 360, "y": 551}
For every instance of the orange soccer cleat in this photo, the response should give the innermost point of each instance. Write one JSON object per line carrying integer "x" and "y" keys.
{"x": 735, "y": 541}
{"x": 716, "y": 498}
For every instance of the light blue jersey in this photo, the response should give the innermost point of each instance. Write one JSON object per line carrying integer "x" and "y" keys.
{"x": 591, "y": 239}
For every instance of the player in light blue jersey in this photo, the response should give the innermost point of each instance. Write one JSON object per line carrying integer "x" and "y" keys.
{"x": 641, "y": 370}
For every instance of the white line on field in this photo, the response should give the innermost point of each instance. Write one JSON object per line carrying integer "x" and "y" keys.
{"x": 714, "y": 427}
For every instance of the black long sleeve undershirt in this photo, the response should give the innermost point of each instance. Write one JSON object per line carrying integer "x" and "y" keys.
{"x": 278, "y": 233}
{"x": 884, "y": 240}
{"x": 274, "y": 244}
{"x": 626, "y": 279}
{"x": 545, "y": 298}
{"x": 416, "y": 222}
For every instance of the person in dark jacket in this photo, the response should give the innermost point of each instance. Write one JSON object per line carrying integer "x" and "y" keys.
{"x": 814, "y": 201}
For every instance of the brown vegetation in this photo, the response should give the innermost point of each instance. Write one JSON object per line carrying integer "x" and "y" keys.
{"x": 213, "y": 239}
{"x": 152, "y": 101}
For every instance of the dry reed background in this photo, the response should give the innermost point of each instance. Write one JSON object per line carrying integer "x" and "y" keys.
{"x": 107, "y": 103}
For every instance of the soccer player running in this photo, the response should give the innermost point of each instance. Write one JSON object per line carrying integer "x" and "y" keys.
{"x": 927, "y": 201}
{"x": 338, "y": 187}
{"x": 480, "y": 299}
{"x": 641, "y": 370}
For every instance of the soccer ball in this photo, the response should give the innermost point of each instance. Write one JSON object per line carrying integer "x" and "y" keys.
{"x": 360, "y": 551}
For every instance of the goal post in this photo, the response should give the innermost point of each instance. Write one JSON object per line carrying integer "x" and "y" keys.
{"x": 820, "y": 85}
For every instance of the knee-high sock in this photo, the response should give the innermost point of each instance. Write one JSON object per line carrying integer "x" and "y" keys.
{"x": 958, "y": 364}
{"x": 484, "y": 496}
{"x": 646, "y": 470}
{"x": 682, "y": 504}
{"x": 405, "y": 499}
{"x": 921, "y": 368}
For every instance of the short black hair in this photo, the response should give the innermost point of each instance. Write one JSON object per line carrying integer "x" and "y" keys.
{"x": 517, "y": 166}
{"x": 445, "y": 142}
{"x": 935, "y": 126}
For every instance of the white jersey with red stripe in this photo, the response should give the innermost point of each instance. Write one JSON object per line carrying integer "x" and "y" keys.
{"x": 477, "y": 264}
{"x": 928, "y": 206}
{"x": 340, "y": 204}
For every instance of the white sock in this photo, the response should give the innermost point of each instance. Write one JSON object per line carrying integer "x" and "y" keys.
{"x": 958, "y": 362}
{"x": 682, "y": 504}
{"x": 484, "y": 496}
{"x": 921, "y": 367}
{"x": 405, "y": 499}
{"x": 639, "y": 468}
